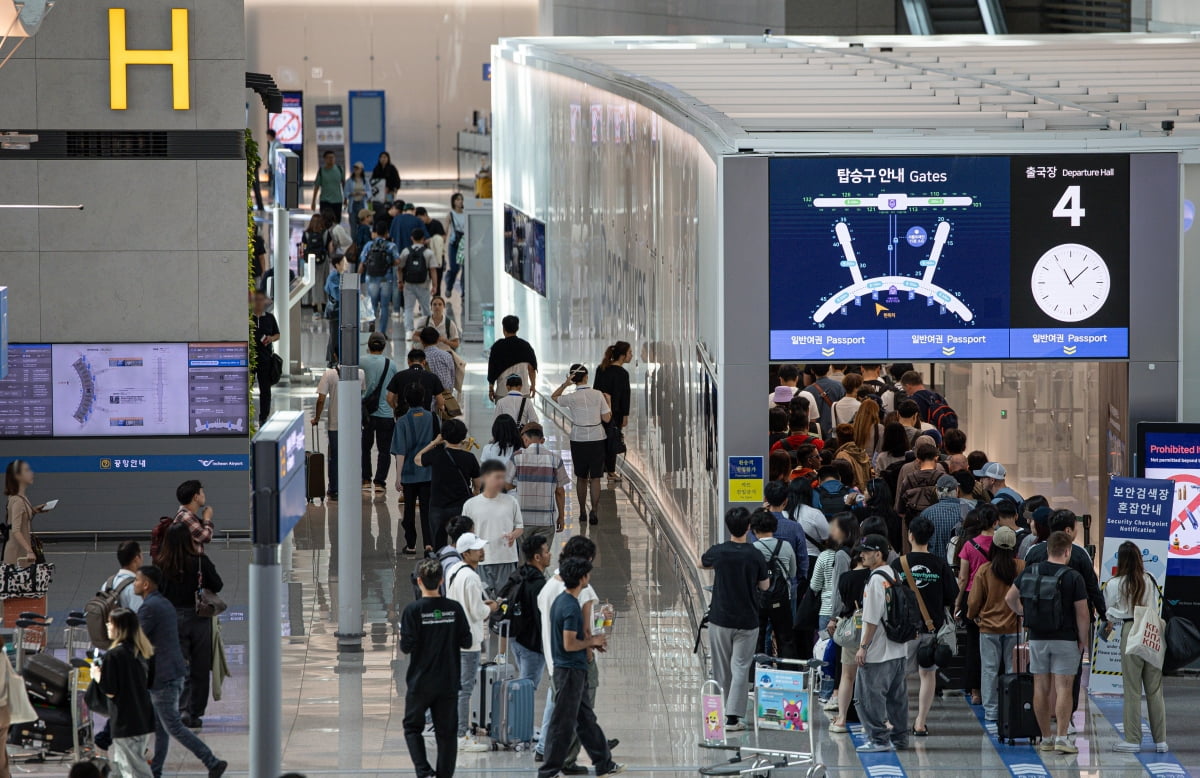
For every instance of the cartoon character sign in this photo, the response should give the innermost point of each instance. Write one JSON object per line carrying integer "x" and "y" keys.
{"x": 793, "y": 715}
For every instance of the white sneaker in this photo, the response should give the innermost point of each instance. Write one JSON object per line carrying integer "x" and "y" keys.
{"x": 1125, "y": 747}
{"x": 1071, "y": 730}
{"x": 1161, "y": 748}
{"x": 470, "y": 745}
{"x": 831, "y": 705}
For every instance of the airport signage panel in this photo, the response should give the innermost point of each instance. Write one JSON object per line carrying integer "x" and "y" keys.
{"x": 968, "y": 257}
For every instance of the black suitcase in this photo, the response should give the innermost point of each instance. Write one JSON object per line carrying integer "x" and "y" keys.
{"x": 315, "y": 462}
{"x": 47, "y": 679}
{"x": 1015, "y": 718}
{"x": 51, "y": 730}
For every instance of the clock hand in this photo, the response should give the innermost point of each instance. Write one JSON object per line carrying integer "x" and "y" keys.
{"x": 1067, "y": 275}
{"x": 1076, "y": 278}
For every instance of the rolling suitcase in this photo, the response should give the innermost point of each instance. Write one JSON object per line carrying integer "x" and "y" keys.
{"x": 511, "y": 724}
{"x": 314, "y": 463}
{"x": 47, "y": 679}
{"x": 50, "y": 731}
{"x": 1015, "y": 718}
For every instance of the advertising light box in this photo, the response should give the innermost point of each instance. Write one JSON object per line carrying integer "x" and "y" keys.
{"x": 937, "y": 258}
{"x": 1172, "y": 451}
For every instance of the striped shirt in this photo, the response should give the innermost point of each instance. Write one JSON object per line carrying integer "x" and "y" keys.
{"x": 538, "y": 472}
{"x": 201, "y": 530}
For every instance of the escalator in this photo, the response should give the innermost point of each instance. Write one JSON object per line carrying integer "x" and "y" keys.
{"x": 954, "y": 17}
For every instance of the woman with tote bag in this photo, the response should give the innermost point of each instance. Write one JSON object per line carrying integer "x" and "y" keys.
{"x": 1129, "y": 591}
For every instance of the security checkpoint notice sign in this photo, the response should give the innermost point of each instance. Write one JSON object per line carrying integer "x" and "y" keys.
{"x": 1139, "y": 511}
{"x": 746, "y": 476}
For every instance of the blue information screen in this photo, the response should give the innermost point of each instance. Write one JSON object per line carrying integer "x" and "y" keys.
{"x": 1172, "y": 451}
{"x": 924, "y": 258}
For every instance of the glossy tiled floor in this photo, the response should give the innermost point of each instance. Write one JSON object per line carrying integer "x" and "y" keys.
{"x": 342, "y": 715}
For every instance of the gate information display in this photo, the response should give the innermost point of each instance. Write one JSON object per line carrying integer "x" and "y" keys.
{"x": 921, "y": 258}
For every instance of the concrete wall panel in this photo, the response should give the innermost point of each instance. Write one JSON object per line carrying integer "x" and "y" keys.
{"x": 221, "y": 200}
{"x": 17, "y": 95}
{"x": 222, "y": 314}
{"x": 19, "y": 272}
{"x": 18, "y": 228}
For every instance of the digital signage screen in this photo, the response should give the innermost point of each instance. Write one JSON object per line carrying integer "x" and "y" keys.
{"x": 967, "y": 257}
{"x": 1172, "y": 451}
{"x": 525, "y": 249}
{"x": 125, "y": 390}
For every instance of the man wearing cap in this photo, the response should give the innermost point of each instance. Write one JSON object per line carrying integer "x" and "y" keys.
{"x": 516, "y": 403}
{"x": 993, "y": 475}
{"x": 882, "y": 690}
{"x": 379, "y": 424}
{"x": 946, "y": 514}
{"x": 541, "y": 479}
{"x": 466, "y": 588}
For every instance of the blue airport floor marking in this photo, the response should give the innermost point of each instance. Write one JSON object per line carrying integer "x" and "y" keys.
{"x": 1022, "y": 760}
{"x": 885, "y": 764}
{"x": 1156, "y": 764}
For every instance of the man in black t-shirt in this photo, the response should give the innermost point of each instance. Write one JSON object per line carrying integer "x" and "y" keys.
{"x": 432, "y": 631}
{"x": 1058, "y": 635}
{"x": 511, "y": 354}
{"x": 417, "y": 373}
{"x": 937, "y": 589}
{"x": 740, "y": 571}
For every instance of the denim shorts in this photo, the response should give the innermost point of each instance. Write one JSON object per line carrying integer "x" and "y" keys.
{"x": 1056, "y": 657}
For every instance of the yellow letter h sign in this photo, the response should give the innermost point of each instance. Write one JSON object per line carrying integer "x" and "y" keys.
{"x": 120, "y": 58}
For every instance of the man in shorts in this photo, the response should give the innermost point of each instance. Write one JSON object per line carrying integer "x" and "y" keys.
{"x": 1052, "y": 600}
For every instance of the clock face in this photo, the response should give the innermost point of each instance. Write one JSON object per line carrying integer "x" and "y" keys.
{"x": 1070, "y": 282}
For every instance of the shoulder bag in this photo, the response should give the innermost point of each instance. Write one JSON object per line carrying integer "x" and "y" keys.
{"x": 208, "y": 603}
{"x": 370, "y": 403}
{"x": 945, "y": 635}
{"x": 1181, "y": 638}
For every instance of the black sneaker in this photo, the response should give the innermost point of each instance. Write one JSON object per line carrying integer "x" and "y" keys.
{"x": 593, "y": 519}
{"x": 217, "y": 770}
{"x": 410, "y": 551}
{"x": 613, "y": 743}
{"x": 574, "y": 769}
{"x": 538, "y": 756}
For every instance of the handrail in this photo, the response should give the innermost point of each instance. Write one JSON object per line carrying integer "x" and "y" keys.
{"x": 647, "y": 505}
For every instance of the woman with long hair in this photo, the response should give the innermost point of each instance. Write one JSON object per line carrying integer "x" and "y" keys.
{"x": 893, "y": 448}
{"x": 506, "y": 441}
{"x": 589, "y": 411}
{"x": 385, "y": 182}
{"x": 814, "y": 524}
{"x": 315, "y": 243}
{"x": 357, "y": 191}
{"x": 613, "y": 379}
{"x": 123, "y": 677}
{"x": 458, "y": 230}
{"x": 22, "y": 548}
{"x": 849, "y": 582}
{"x": 868, "y": 432}
{"x": 1130, "y": 588}
{"x": 972, "y": 550}
{"x": 184, "y": 571}
{"x": 997, "y": 623}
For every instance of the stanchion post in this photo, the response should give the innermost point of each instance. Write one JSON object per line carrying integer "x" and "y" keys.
{"x": 349, "y": 414}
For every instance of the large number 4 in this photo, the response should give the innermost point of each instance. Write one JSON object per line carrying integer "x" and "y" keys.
{"x": 1070, "y": 206}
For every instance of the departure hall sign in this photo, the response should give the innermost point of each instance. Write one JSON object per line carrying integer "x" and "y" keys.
{"x": 937, "y": 258}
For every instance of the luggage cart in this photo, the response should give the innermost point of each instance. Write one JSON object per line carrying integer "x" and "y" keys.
{"x": 783, "y": 706}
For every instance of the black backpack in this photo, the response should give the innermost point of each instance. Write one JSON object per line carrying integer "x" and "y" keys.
{"x": 901, "y": 615}
{"x": 939, "y": 413}
{"x": 519, "y": 607}
{"x": 416, "y": 269}
{"x": 1042, "y": 600}
{"x": 779, "y": 592}
{"x": 833, "y": 503}
{"x": 317, "y": 244}
{"x": 441, "y": 557}
{"x": 378, "y": 259}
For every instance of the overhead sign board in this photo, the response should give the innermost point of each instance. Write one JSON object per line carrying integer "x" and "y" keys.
{"x": 970, "y": 257}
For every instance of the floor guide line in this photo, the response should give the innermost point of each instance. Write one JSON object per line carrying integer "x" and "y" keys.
{"x": 1155, "y": 764}
{"x": 883, "y": 764}
{"x": 1022, "y": 759}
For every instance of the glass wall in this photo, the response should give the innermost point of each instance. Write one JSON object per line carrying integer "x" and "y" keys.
{"x": 628, "y": 201}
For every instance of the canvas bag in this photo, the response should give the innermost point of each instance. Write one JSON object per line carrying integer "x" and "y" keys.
{"x": 1146, "y": 636}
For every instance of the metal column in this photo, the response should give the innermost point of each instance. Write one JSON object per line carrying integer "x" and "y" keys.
{"x": 281, "y": 233}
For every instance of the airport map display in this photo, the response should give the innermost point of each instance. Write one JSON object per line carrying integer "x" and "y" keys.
{"x": 917, "y": 258}
{"x": 125, "y": 390}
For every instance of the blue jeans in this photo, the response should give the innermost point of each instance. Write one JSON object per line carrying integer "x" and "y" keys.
{"x": 165, "y": 697}
{"x": 826, "y": 680}
{"x": 452, "y": 274}
{"x": 470, "y": 673}
{"x": 380, "y": 295}
{"x": 530, "y": 664}
{"x": 415, "y": 295}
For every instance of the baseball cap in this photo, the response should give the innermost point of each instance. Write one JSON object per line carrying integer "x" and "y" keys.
{"x": 469, "y": 541}
{"x": 1004, "y": 537}
{"x": 1042, "y": 515}
{"x": 377, "y": 341}
{"x": 366, "y": 213}
{"x": 947, "y": 483}
{"x": 359, "y": 166}
{"x": 874, "y": 543}
{"x": 782, "y": 396}
{"x": 992, "y": 470}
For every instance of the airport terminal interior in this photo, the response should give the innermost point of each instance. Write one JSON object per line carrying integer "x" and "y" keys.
{"x": 795, "y": 388}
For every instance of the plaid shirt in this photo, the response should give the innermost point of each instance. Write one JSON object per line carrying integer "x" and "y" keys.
{"x": 539, "y": 472}
{"x": 441, "y": 364}
{"x": 201, "y": 530}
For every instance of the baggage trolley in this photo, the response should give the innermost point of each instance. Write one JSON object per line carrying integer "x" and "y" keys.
{"x": 783, "y": 705}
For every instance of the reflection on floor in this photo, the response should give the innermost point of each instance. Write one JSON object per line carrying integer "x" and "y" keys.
{"x": 342, "y": 715}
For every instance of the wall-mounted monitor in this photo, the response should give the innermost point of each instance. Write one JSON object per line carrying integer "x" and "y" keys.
{"x": 66, "y": 390}
{"x": 525, "y": 249}
{"x": 967, "y": 257}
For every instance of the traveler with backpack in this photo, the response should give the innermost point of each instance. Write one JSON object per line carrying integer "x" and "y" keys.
{"x": 1051, "y": 599}
{"x": 889, "y": 618}
{"x": 1131, "y": 588}
{"x": 465, "y": 587}
{"x": 414, "y": 431}
{"x": 419, "y": 268}
{"x": 775, "y": 603}
{"x": 194, "y": 513}
{"x": 993, "y": 476}
{"x": 433, "y": 630}
{"x": 441, "y": 363}
{"x": 916, "y": 490}
{"x": 973, "y": 552}
{"x": 129, "y": 557}
{"x": 184, "y": 571}
{"x": 161, "y": 626}
{"x": 846, "y": 408}
{"x": 814, "y": 527}
{"x": 740, "y": 572}
{"x": 946, "y": 514}
{"x": 498, "y": 522}
{"x": 849, "y": 451}
{"x": 823, "y": 392}
{"x": 936, "y": 592}
{"x": 377, "y": 417}
{"x": 908, "y": 413}
{"x": 379, "y": 259}
{"x": 868, "y": 432}
{"x": 314, "y": 247}
{"x": 775, "y": 500}
{"x": 123, "y": 678}
{"x": 996, "y": 623}
{"x": 932, "y": 407}
{"x": 832, "y": 497}
{"x": 519, "y": 596}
